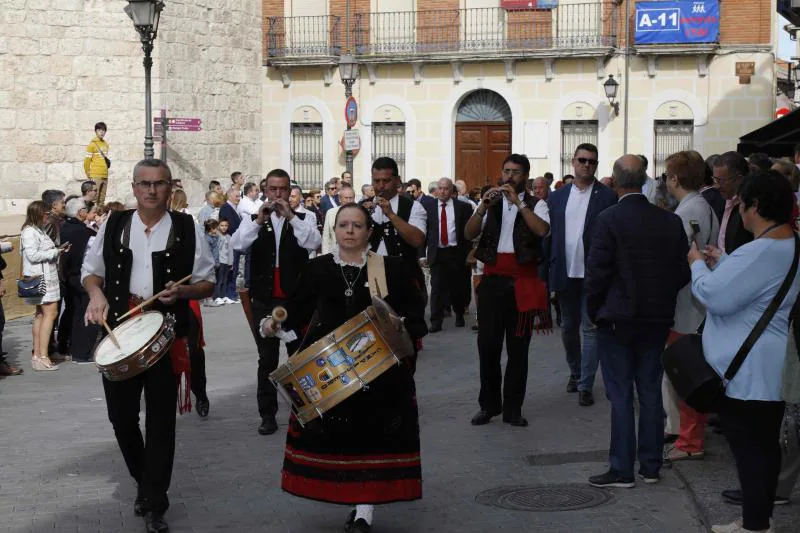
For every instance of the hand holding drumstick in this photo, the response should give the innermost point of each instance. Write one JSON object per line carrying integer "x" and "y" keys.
{"x": 270, "y": 326}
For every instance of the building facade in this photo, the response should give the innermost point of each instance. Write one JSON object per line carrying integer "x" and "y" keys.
{"x": 449, "y": 87}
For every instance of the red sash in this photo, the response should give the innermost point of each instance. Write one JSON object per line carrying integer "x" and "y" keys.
{"x": 530, "y": 293}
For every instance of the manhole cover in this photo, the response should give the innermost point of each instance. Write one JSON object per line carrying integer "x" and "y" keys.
{"x": 544, "y": 498}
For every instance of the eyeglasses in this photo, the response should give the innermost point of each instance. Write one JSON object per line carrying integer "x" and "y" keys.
{"x": 510, "y": 172}
{"x": 147, "y": 185}
{"x": 586, "y": 161}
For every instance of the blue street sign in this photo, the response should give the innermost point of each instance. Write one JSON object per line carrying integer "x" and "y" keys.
{"x": 686, "y": 22}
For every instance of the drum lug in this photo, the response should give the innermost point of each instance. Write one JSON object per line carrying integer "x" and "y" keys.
{"x": 169, "y": 322}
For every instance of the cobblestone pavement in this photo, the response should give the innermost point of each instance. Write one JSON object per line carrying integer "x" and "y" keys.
{"x": 61, "y": 470}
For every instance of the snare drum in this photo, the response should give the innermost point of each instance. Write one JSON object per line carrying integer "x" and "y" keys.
{"x": 144, "y": 339}
{"x": 343, "y": 362}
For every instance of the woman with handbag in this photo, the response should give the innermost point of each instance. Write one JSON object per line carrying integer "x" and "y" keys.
{"x": 39, "y": 284}
{"x": 748, "y": 296}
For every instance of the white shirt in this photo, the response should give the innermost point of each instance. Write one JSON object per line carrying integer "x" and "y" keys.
{"x": 305, "y": 232}
{"x": 142, "y": 247}
{"x": 328, "y": 230}
{"x": 574, "y": 222}
{"x": 450, "y": 211}
{"x": 506, "y": 244}
{"x": 248, "y": 207}
{"x": 418, "y": 218}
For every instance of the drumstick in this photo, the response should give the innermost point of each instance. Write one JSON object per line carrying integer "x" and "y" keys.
{"x": 111, "y": 335}
{"x": 153, "y": 299}
{"x": 279, "y": 315}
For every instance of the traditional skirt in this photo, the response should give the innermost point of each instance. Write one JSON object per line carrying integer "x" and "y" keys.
{"x": 364, "y": 451}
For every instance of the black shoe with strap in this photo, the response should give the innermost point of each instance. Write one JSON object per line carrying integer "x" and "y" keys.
{"x": 155, "y": 523}
{"x": 268, "y": 426}
{"x": 483, "y": 417}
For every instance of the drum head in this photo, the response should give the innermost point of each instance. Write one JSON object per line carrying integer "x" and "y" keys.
{"x": 133, "y": 335}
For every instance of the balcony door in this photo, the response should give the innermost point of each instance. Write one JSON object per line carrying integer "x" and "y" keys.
{"x": 483, "y": 138}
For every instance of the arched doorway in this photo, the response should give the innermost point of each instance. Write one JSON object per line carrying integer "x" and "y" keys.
{"x": 483, "y": 137}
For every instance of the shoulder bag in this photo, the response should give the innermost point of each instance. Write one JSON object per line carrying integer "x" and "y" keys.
{"x": 108, "y": 161}
{"x": 30, "y": 287}
{"x": 695, "y": 381}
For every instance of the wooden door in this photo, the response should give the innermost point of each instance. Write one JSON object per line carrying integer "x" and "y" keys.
{"x": 480, "y": 151}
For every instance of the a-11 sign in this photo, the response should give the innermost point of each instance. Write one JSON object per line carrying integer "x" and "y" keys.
{"x": 179, "y": 124}
{"x": 683, "y": 22}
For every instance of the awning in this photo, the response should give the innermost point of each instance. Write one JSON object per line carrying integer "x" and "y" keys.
{"x": 776, "y": 139}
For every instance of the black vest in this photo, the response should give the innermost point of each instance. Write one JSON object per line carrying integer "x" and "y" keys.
{"x": 527, "y": 245}
{"x": 395, "y": 245}
{"x": 262, "y": 263}
{"x": 175, "y": 262}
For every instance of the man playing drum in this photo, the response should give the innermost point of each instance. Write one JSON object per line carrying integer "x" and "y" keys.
{"x": 279, "y": 241}
{"x": 136, "y": 255}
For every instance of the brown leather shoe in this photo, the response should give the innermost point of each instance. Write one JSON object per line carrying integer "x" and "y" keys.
{"x": 8, "y": 370}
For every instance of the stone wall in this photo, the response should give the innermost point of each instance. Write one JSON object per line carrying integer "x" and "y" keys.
{"x": 66, "y": 64}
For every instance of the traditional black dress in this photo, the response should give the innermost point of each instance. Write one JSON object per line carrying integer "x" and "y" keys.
{"x": 366, "y": 449}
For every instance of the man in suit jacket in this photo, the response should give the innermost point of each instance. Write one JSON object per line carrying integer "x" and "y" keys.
{"x": 573, "y": 210}
{"x": 447, "y": 251}
{"x": 331, "y": 197}
{"x": 631, "y": 290}
{"x": 729, "y": 170}
{"x": 229, "y": 212}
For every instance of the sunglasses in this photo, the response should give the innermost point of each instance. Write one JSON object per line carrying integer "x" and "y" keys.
{"x": 586, "y": 161}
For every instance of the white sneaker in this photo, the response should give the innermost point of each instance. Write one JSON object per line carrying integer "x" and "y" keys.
{"x": 219, "y": 301}
{"x": 736, "y": 527}
{"x": 227, "y": 300}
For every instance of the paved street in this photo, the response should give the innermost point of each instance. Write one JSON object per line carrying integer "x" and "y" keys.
{"x": 61, "y": 469}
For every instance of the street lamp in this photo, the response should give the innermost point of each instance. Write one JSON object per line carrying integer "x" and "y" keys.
{"x": 348, "y": 71}
{"x": 611, "y": 86}
{"x": 146, "y": 15}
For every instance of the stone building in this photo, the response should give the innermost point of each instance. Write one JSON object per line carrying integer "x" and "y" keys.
{"x": 447, "y": 87}
{"x": 67, "y": 64}
{"x": 450, "y": 86}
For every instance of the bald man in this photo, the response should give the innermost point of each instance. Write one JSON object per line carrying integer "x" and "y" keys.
{"x": 447, "y": 251}
{"x": 631, "y": 291}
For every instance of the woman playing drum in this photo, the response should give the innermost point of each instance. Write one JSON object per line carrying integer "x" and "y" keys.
{"x": 365, "y": 451}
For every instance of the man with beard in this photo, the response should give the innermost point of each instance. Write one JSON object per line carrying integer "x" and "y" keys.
{"x": 511, "y": 297}
{"x": 573, "y": 210}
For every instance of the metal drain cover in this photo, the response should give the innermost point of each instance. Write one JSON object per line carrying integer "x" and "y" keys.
{"x": 544, "y": 498}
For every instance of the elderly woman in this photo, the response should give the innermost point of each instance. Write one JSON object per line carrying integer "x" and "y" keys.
{"x": 735, "y": 290}
{"x": 685, "y": 177}
{"x": 40, "y": 258}
{"x": 365, "y": 451}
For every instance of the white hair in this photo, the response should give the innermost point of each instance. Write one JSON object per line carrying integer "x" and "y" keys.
{"x": 74, "y": 207}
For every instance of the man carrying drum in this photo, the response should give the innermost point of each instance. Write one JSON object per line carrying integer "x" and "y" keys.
{"x": 279, "y": 241}
{"x": 136, "y": 255}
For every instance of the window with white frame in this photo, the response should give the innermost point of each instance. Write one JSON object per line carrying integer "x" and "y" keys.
{"x": 573, "y": 134}
{"x": 307, "y": 155}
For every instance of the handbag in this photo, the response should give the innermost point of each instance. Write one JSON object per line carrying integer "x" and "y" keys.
{"x": 694, "y": 380}
{"x": 108, "y": 161}
{"x": 30, "y": 287}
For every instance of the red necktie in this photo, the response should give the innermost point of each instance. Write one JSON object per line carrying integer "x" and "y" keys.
{"x": 443, "y": 227}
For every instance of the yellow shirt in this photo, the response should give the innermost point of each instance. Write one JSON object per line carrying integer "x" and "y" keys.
{"x": 94, "y": 164}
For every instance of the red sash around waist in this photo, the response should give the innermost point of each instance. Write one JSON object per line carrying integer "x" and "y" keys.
{"x": 530, "y": 292}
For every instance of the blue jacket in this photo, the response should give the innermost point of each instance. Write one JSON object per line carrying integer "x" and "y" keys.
{"x": 636, "y": 264}
{"x": 602, "y": 198}
{"x": 229, "y": 213}
{"x": 326, "y": 203}
{"x": 213, "y": 244}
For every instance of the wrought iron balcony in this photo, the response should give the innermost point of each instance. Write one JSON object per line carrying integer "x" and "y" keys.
{"x": 568, "y": 29}
{"x": 310, "y": 40}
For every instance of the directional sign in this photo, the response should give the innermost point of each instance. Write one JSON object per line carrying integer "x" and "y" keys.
{"x": 180, "y": 124}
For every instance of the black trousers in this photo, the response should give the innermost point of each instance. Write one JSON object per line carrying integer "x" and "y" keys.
{"x": 149, "y": 460}
{"x": 450, "y": 283}
{"x": 197, "y": 358}
{"x": 268, "y": 356}
{"x": 65, "y": 323}
{"x": 2, "y": 328}
{"x": 83, "y": 337}
{"x": 753, "y": 431}
{"x": 497, "y": 320}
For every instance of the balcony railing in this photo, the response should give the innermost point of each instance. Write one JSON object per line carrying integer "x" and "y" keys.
{"x": 304, "y": 37}
{"x": 489, "y": 30}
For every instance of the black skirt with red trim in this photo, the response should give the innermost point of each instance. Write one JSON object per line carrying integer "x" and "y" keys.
{"x": 364, "y": 451}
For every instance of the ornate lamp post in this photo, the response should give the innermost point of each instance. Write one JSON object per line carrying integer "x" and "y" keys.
{"x": 146, "y": 15}
{"x": 611, "y": 86}
{"x": 348, "y": 71}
